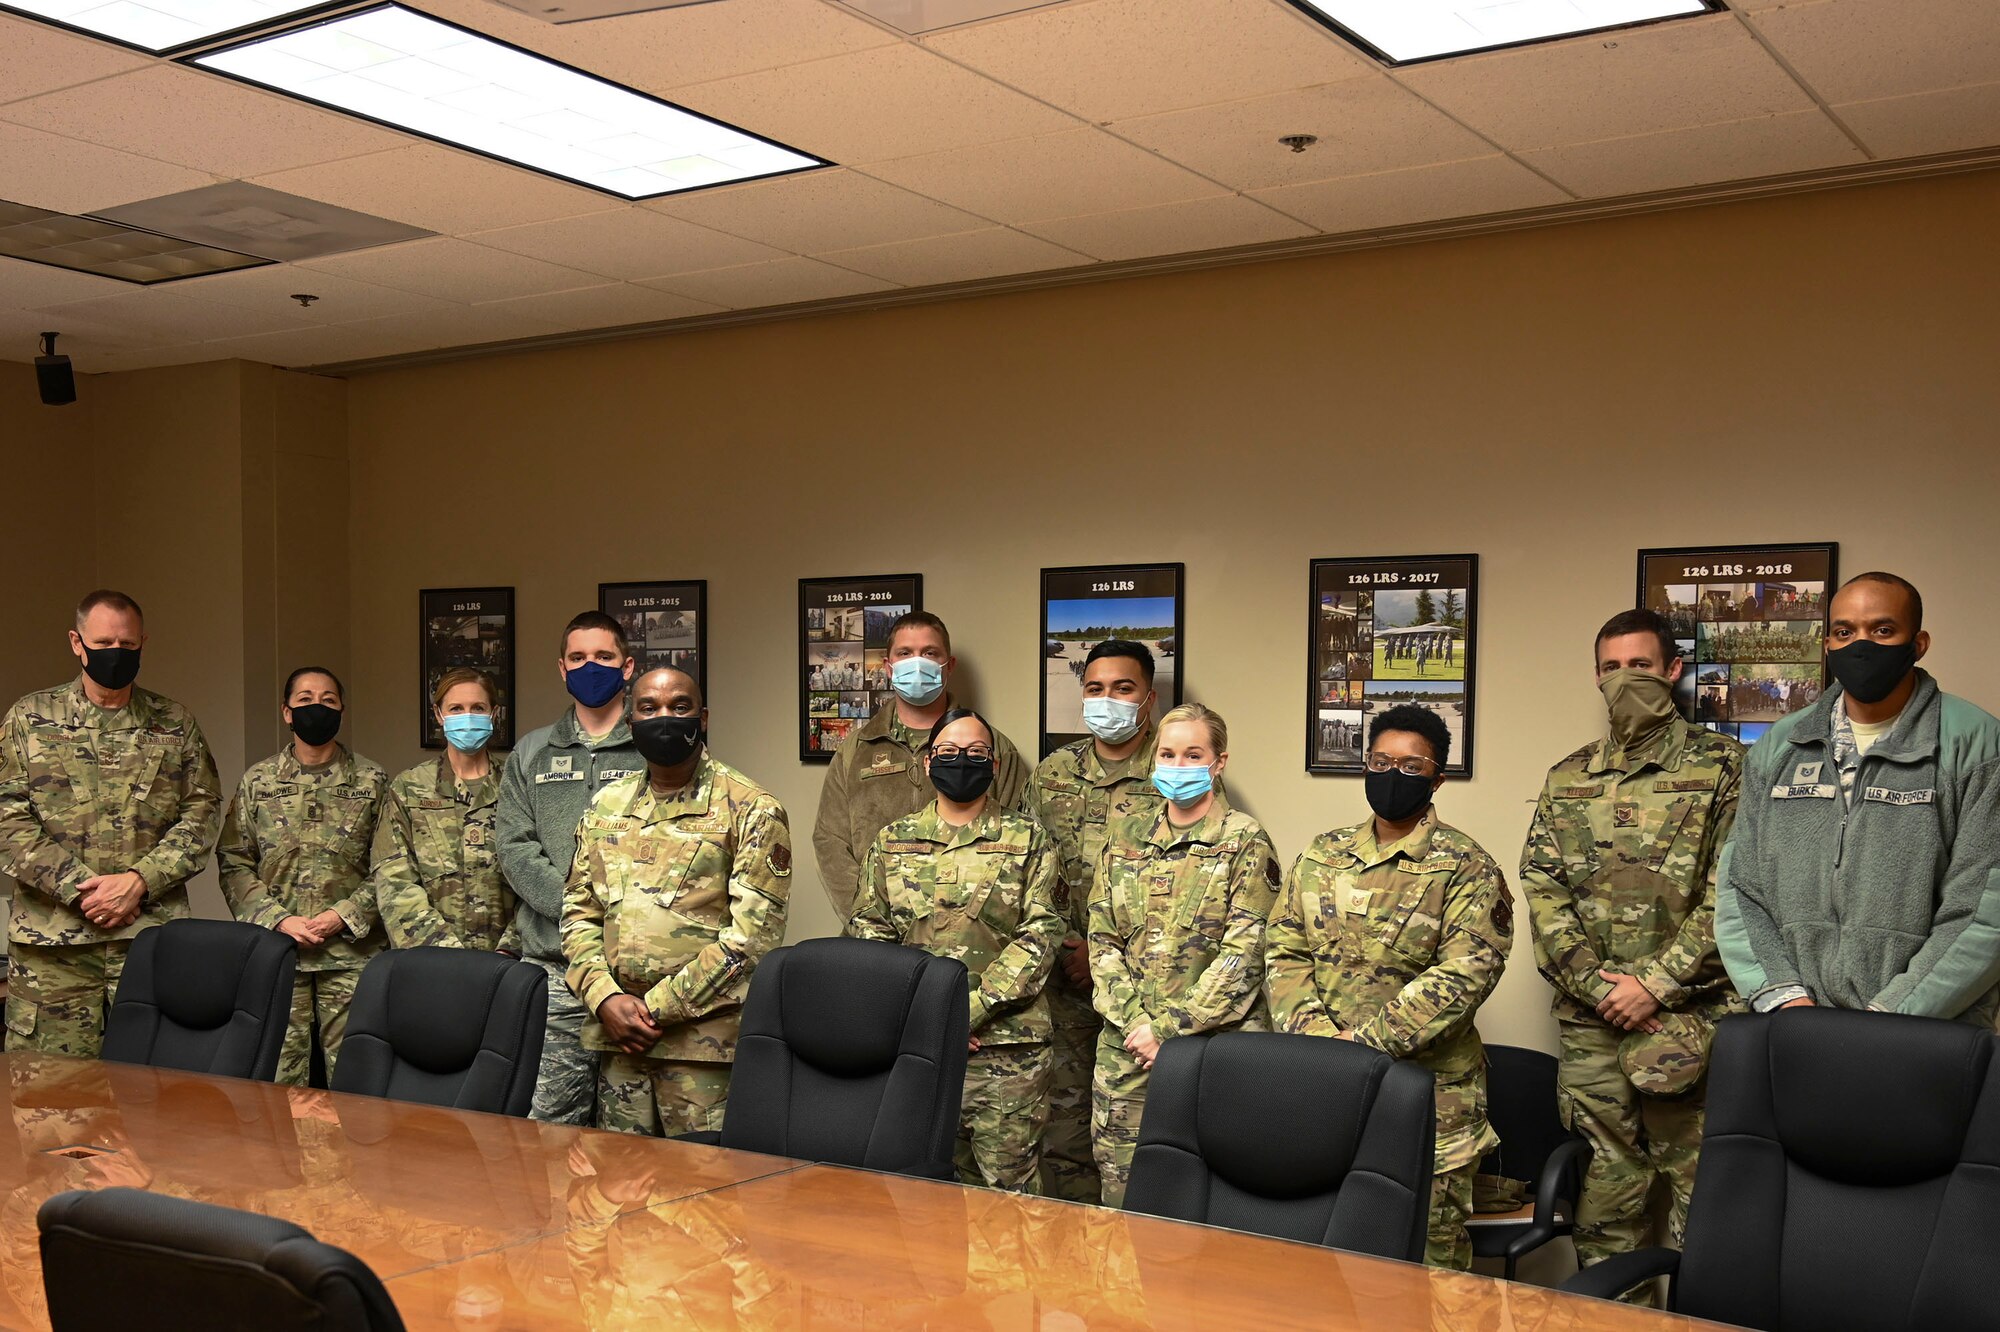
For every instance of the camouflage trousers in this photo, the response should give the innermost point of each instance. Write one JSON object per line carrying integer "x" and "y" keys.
{"x": 661, "y": 1098}
{"x": 1000, "y": 1127}
{"x": 1633, "y": 1137}
{"x": 1449, "y": 1243}
{"x": 57, "y": 997}
{"x": 1117, "y": 1102}
{"x": 325, "y": 995}
{"x": 1069, "y": 1170}
{"x": 566, "y": 1083}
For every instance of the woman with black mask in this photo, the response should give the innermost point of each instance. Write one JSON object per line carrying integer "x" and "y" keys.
{"x": 294, "y": 858}
{"x": 1392, "y": 933}
{"x": 965, "y": 878}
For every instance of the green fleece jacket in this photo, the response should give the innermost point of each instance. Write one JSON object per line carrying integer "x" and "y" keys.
{"x": 1893, "y": 904}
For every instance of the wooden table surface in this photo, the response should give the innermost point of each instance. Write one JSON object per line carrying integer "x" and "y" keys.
{"x": 484, "y": 1222}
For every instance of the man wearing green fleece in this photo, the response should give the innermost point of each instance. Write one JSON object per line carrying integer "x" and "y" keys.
{"x": 552, "y": 777}
{"x": 1865, "y": 869}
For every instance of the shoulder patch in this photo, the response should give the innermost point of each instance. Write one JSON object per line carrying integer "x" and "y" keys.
{"x": 1272, "y": 874}
{"x": 780, "y": 860}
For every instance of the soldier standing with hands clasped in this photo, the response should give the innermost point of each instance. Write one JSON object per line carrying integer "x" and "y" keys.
{"x": 1619, "y": 876}
{"x": 109, "y": 804}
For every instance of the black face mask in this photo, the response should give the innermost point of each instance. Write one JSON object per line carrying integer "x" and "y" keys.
{"x": 667, "y": 741}
{"x": 1871, "y": 671}
{"x": 961, "y": 777}
{"x": 112, "y": 667}
{"x": 1395, "y": 796}
{"x": 315, "y": 723}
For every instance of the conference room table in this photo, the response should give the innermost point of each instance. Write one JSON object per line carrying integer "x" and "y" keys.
{"x": 477, "y": 1221}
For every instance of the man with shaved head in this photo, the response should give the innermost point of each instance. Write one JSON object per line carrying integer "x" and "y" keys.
{"x": 679, "y": 886}
{"x": 1865, "y": 869}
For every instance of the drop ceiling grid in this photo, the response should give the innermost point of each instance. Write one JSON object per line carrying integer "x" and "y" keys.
{"x": 1093, "y": 130}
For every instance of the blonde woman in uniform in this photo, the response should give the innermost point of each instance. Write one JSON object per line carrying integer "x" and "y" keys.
{"x": 1176, "y": 929}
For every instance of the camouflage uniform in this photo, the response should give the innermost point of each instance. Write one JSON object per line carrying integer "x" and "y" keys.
{"x": 1076, "y": 794}
{"x": 674, "y": 898}
{"x": 436, "y": 871}
{"x": 1176, "y": 940}
{"x": 85, "y": 792}
{"x": 1619, "y": 874}
{"x": 984, "y": 894}
{"x": 296, "y": 843}
{"x": 876, "y": 777}
{"x": 1399, "y": 945}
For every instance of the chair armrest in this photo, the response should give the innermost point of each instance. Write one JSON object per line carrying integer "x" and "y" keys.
{"x": 1554, "y": 1185}
{"x": 707, "y": 1138}
{"x": 1616, "y": 1275}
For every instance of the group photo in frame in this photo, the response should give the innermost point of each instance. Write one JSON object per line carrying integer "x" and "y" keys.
{"x": 465, "y": 626}
{"x": 1383, "y": 632}
{"x": 844, "y": 653}
{"x": 1749, "y": 625}
{"x": 1082, "y": 605}
{"x": 666, "y": 624}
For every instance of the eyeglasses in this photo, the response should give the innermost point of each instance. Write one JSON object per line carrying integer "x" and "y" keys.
{"x": 1409, "y": 767}
{"x": 977, "y": 753}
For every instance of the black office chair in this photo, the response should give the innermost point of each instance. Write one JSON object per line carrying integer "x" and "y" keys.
{"x": 446, "y": 1026}
{"x": 128, "y": 1258}
{"x": 852, "y": 1052}
{"x": 209, "y": 996}
{"x": 1534, "y": 1148}
{"x": 1298, "y": 1137}
{"x": 1850, "y": 1178}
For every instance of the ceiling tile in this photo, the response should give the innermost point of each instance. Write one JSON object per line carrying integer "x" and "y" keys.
{"x": 962, "y": 258}
{"x": 611, "y": 306}
{"x": 1860, "y": 50}
{"x": 224, "y": 128}
{"x": 1364, "y": 125}
{"x": 341, "y": 300}
{"x": 1923, "y": 123}
{"x": 1062, "y": 175}
{"x": 628, "y": 243}
{"x": 780, "y": 282}
{"x": 820, "y": 210}
{"x": 87, "y": 343}
{"x": 25, "y": 285}
{"x": 439, "y": 189}
{"x": 1114, "y": 59}
{"x": 1421, "y": 194}
{"x": 35, "y": 58}
{"x": 167, "y": 317}
{"x": 1770, "y": 146}
{"x": 1668, "y": 76}
{"x": 894, "y": 101}
{"x": 672, "y": 47}
{"x": 452, "y": 270}
{"x": 65, "y": 176}
{"x": 1178, "y": 228}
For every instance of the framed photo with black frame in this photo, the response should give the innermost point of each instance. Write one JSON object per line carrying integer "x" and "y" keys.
{"x": 1384, "y": 632}
{"x": 1749, "y": 624}
{"x": 844, "y": 653}
{"x": 1082, "y": 605}
{"x": 666, "y": 624}
{"x": 465, "y": 626}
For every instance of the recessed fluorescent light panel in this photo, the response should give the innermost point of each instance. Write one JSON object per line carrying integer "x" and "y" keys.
{"x": 108, "y": 249}
{"x": 409, "y": 71}
{"x": 160, "y": 25}
{"x": 1400, "y": 32}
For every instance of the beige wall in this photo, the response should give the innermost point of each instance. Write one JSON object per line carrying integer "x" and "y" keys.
{"x": 1811, "y": 368}
{"x": 50, "y": 560}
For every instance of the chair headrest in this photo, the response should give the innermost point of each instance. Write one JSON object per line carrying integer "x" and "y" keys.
{"x": 1874, "y": 1099}
{"x": 198, "y": 971}
{"x": 1309, "y": 1099}
{"x": 437, "y": 1004}
{"x": 843, "y": 1003}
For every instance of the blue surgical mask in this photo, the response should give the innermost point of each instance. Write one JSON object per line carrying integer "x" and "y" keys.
{"x": 1183, "y": 786}
{"x": 594, "y": 684}
{"x": 1112, "y": 720}
{"x": 918, "y": 680}
{"x": 468, "y": 731}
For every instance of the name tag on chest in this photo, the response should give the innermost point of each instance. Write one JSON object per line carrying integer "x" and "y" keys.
{"x": 1882, "y": 795}
{"x": 1805, "y": 791}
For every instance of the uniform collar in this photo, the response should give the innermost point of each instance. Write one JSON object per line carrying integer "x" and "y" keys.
{"x": 1914, "y": 737}
{"x": 1665, "y": 752}
{"x": 567, "y": 733}
{"x": 1208, "y": 832}
{"x": 1415, "y": 846}
{"x": 694, "y": 798}
{"x": 340, "y": 772}
{"x": 484, "y": 791}
{"x": 136, "y": 715}
{"x": 929, "y": 826}
{"x": 1138, "y": 763}
{"x": 882, "y": 726}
